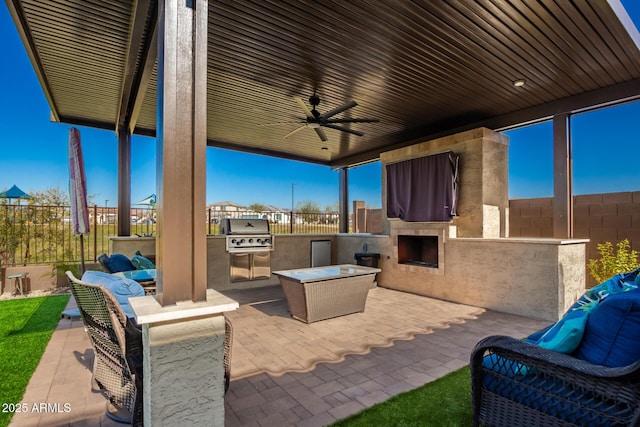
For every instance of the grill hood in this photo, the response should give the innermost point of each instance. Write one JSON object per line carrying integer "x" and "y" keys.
{"x": 244, "y": 226}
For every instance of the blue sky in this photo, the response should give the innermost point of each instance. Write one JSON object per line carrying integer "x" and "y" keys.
{"x": 34, "y": 152}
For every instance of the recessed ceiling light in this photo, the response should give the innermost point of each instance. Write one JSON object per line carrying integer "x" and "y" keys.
{"x": 519, "y": 83}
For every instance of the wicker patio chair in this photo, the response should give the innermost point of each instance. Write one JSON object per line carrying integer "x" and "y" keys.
{"x": 515, "y": 383}
{"x": 117, "y": 346}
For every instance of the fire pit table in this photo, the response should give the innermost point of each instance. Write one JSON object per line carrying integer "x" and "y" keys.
{"x": 320, "y": 293}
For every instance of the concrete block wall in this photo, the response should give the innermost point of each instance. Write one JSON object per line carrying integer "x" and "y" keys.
{"x": 608, "y": 217}
{"x": 531, "y": 217}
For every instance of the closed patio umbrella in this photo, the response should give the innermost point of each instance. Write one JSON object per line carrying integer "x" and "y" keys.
{"x": 78, "y": 191}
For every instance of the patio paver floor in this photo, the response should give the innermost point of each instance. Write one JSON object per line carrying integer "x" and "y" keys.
{"x": 285, "y": 372}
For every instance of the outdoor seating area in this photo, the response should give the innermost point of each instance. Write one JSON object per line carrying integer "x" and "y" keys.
{"x": 582, "y": 370}
{"x": 116, "y": 340}
{"x": 138, "y": 268}
{"x": 292, "y": 373}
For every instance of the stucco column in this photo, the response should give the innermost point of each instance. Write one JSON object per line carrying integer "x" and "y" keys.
{"x": 181, "y": 251}
{"x": 183, "y": 325}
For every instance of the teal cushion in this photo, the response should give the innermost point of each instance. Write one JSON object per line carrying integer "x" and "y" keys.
{"x": 612, "y": 332}
{"x": 142, "y": 263}
{"x": 122, "y": 288}
{"x": 565, "y": 335}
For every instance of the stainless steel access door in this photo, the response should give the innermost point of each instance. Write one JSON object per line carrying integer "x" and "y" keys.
{"x": 320, "y": 253}
{"x": 250, "y": 266}
{"x": 240, "y": 268}
{"x": 261, "y": 265}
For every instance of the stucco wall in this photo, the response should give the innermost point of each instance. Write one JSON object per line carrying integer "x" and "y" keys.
{"x": 538, "y": 278}
{"x": 534, "y": 278}
{"x": 290, "y": 251}
{"x": 129, "y": 245}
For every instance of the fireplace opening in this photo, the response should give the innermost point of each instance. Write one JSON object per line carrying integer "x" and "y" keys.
{"x": 418, "y": 250}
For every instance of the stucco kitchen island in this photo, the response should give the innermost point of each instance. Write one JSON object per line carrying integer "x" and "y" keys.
{"x": 320, "y": 293}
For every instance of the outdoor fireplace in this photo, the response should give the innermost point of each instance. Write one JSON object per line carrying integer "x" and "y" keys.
{"x": 418, "y": 250}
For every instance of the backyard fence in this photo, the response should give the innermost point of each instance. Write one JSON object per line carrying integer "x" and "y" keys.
{"x": 40, "y": 235}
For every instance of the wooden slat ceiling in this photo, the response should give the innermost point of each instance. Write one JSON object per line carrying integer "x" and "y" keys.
{"x": 423, "y": 68}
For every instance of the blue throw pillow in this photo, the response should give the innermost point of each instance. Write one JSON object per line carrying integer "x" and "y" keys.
{"x": 120, "y": 287}
{"x": 118, "y": 262}
{"x": 612, "y": 332}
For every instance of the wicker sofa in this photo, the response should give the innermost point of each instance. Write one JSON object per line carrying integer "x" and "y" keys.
{"x": 558, "y": 389}
{"x": 520, "y": 382}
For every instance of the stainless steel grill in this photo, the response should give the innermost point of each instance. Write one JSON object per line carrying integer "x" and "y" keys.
{"x": 246, "y": 235}
{"x": 249, "y": 245}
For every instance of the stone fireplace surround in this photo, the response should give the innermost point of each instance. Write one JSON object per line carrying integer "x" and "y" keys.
{"x": 478, "y": 264}
{"x": 438, "y": 230}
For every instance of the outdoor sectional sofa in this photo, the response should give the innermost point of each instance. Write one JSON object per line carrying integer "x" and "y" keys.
{"x": 584, "y": 370}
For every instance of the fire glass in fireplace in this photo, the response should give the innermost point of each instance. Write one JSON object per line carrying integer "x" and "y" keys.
{"x": 418, "y": 250}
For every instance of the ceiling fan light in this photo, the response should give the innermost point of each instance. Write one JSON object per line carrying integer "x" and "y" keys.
{"x": 313, "y": 125}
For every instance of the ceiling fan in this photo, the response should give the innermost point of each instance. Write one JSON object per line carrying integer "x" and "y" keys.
{"x": 317, "y": 121}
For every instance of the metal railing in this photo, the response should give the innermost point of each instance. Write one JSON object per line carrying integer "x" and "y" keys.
{"x": 287, "y": 222}
{"x": 36, "y": 234}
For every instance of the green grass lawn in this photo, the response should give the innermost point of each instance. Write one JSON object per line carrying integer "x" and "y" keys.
{"x": 26, "y": 325}
{"x": 442, "y": 403}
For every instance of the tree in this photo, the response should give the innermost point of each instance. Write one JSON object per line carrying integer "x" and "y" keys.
{"x": 52, "y": 196}
{"x": 331, "y": 211}
{"x": 309, "y": 211}
{"x": 332, "y": 208}
{"x": 257, "y": 207}
{"x": 14, "y": 230}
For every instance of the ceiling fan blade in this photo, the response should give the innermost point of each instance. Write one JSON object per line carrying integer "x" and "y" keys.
{"x": 301, "y": 122}
{"x": 304, "y": 107}
{"x": 321, "y": 134}
{"x": 294, "y": 131}
{"x": 351, "y": 121}
{"x": 343, "y": 129}
{"x": 337, "y": 110}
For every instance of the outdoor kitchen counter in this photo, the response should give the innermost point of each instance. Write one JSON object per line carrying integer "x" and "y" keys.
{"x": 320, "y": 293}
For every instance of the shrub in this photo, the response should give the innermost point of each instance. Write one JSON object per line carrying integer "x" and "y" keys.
{"x": 624, "y": 259}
